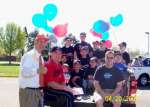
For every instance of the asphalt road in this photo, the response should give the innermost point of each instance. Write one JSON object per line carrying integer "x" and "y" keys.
{"x": 9, "y": 94}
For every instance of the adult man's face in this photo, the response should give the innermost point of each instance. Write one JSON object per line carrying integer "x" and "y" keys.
{"x": 109, "y": 59}
{"x": 57, "y": 55}
{"x": 122, "y": 48}
{"x": 68, "y": 42}
{"x": 82, "y": 37}
{"x": 39, "y": 45}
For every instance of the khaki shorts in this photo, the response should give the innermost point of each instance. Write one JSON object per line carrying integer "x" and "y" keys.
{"x": 97, "y": 96}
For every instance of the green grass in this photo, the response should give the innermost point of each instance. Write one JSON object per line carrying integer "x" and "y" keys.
{"x": 7, "y": 70}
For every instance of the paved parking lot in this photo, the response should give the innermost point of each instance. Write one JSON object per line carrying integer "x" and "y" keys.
{"x": 9, "y": 94}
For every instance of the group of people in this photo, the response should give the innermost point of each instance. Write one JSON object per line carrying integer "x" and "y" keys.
{"x": 96, "y": 69}
{"x": 137, "y": 62}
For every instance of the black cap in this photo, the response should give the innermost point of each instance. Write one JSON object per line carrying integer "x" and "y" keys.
{"x": 55, "y": 49}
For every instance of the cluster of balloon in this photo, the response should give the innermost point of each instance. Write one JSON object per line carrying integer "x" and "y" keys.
{"x": 101, "y": 28}
{"x": 40, "y": 20}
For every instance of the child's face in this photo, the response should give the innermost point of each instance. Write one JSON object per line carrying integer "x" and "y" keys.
{"x": 93, "y": 63}
{"x": 65, "y": 69}
{"x": 77, "y": 66}
{"x": 118, "y": 59}
{"x": 63, "y": 59}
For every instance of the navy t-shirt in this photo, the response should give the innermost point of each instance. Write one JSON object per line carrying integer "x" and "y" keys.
{"x": 69, "y": 51}
{"x": 89, "y": 71}
{"x": 85, "y": 61}
{"x": 126, "y": 57}
{"x": 78, "y": 81}
{"x": 108, "y": 77}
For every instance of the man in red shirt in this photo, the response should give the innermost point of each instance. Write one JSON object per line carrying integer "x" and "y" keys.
{"x": 55, "y": 81}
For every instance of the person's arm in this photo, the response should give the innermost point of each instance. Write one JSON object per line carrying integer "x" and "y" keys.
{"x": 59, "y": 86}
{"x": 73, "y": 80}
{"x": 90, "y": 50}
{"x": 75, "y": 55}
{"x": 42, "y": 69}
{"x": 118, "y": 89}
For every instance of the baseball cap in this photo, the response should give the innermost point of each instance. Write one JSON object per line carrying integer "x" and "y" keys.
{"x": 77, "y": 62}
{"x": 84, "y": 48}
{"x": 65, "y": 65}
{"x": 41, "y": 37}
{"x": 93, "y": 58}
{"x": 55, "y": 49}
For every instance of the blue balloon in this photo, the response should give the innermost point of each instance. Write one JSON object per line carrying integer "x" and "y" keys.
{"x": 39, "y": 20}
{"x": 117, "y": 20}
{"x": 100, "y": 26}
{"x": 48, "y": 29}
{"x": 50, "y": 11}
{"x": 105, "y": 36}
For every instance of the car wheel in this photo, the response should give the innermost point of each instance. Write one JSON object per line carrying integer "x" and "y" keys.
{"x": 143, "y": 80}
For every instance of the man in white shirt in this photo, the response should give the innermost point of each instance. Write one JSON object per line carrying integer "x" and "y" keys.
{"x": 31, "y": 68}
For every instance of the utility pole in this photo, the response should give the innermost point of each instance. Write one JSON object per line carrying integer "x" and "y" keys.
{"x": 148, "y": 40}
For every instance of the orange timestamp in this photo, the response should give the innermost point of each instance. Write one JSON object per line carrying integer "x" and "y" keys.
{"x": 120, "y": 98}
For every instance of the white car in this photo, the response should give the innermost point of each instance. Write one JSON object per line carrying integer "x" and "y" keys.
{"x": 142, "y": 75}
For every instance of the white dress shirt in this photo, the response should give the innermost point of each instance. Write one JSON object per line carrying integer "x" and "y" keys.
{"x": 29, "y": 65}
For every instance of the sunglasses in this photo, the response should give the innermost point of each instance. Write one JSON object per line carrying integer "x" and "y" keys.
{"x": 110, "y": 57}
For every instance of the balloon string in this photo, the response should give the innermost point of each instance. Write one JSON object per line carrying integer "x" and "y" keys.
{"x": 115, "y": 37}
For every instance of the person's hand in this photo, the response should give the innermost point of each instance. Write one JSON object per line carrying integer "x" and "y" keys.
{"x": 71, "y": 90}
{"x": 90, "y": 77}
{"x": 42, "y": 69}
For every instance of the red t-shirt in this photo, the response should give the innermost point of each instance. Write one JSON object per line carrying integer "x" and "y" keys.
{"x": 54, "y": 73}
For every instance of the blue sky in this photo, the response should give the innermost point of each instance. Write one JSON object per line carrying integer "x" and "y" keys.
{"x": 81, "y": 14}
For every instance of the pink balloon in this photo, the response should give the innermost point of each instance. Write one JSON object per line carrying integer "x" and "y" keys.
{"x": 108, "y": 44}
{"x": 95, "y": 33}
{"x": 60, "y": 30}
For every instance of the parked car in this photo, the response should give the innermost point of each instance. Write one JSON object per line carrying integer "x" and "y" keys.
{"x": 142, "y": 75}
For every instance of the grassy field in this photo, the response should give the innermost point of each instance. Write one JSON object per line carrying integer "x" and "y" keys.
{"x": 7, "y": 70}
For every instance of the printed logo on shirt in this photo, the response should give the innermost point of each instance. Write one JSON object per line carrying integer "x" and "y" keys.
{"x": 107, "y": 75}
{"x": 120, "y": 68}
